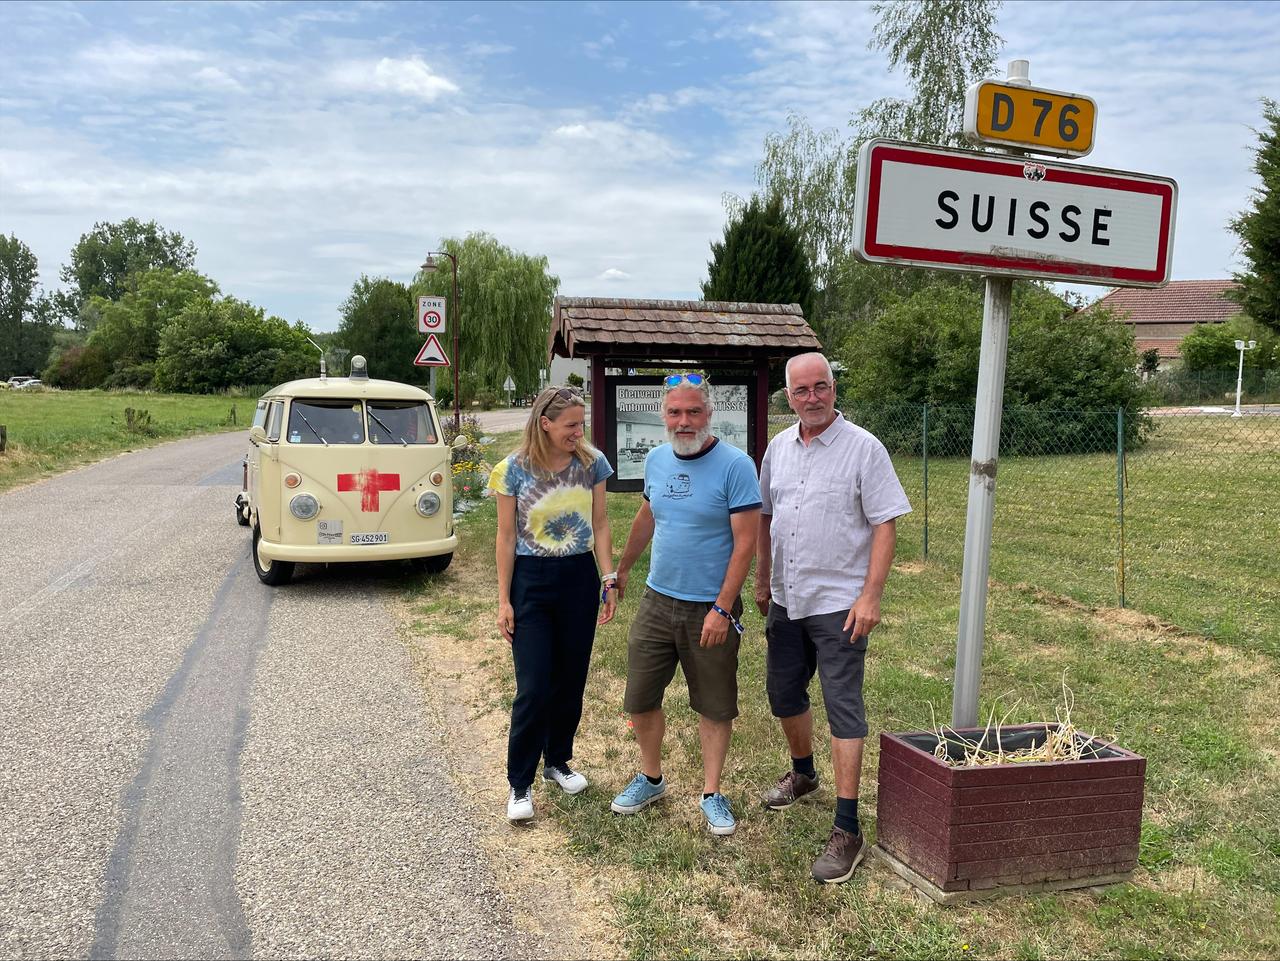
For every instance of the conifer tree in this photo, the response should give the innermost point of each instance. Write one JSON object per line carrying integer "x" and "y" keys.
{"x": 1259, "y": 229}
{"x": 760, "y": 260}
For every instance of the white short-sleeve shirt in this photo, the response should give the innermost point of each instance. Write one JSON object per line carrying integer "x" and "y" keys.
{"x": 824, "y": 499}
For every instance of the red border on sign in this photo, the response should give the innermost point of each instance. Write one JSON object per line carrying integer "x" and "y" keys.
{"x": 1013, "y": 168}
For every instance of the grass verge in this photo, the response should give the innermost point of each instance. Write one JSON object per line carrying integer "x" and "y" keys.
{"x": 1201, "y": 711}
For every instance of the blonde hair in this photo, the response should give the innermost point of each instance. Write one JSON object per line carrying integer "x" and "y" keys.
{"x": 535, "y": 449}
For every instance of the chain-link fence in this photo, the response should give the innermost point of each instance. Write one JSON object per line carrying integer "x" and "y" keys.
{"x": 1178, "y": 387}
{"x": 1171, "y": 513}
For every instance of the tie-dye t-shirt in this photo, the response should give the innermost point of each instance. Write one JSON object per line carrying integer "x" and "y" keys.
{"x": 553, "y": 514}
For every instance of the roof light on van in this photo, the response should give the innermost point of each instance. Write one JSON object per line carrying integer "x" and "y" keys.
{"x": 359, "y": 368}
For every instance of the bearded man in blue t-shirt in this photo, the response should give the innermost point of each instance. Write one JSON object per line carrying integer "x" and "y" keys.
{"x": 701, "y": 507}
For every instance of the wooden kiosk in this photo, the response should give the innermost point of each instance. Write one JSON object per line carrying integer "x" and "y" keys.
{"x": 732, "y": 343}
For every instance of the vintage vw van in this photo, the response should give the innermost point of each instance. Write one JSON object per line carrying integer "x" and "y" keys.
{"x": 347, "y": 469}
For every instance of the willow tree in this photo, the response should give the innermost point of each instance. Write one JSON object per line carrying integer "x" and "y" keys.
{"x": 506, "y": 302}
{"x": 942, "y": 46}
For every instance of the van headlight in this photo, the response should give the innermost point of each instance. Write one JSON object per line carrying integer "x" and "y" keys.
{"x": 304, "y": 507}
{"x": 428, "y": 503}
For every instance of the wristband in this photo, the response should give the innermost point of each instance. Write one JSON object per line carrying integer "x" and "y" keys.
{"x": 611, "y": 576}
{"x": 737, "y": 624}
{"x": 604, "y": 591}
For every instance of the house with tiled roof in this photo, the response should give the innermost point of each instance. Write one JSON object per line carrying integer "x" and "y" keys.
{"x": 1162, "y": 316}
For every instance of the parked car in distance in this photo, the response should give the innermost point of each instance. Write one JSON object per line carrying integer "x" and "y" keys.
{"x": 29, "y": 384}
{"x": 18, "y": 381}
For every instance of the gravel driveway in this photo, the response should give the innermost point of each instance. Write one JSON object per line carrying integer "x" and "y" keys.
{"x": 196, "y": 765}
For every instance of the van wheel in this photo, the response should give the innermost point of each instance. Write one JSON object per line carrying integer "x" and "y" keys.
{"x": 271, "y": 573}
{"x": 242, "y": 514}
{"x": 432, "y": 565}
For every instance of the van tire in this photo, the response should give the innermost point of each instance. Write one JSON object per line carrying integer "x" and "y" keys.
{"x": 271, "y": 573}
{"x": 242, "y": 514}
{"x": 432, "y": 565}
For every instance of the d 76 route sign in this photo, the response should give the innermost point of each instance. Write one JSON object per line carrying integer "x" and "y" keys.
{"x": 995, "y": 214}
{"x": 1033, "y": 118}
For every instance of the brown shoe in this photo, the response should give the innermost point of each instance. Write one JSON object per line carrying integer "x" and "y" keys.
{"x": 790, "y": 788}
{"x": 844, "y": 853}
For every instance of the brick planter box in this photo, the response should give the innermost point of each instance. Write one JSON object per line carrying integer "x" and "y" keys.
{"x": 967, "y": 833}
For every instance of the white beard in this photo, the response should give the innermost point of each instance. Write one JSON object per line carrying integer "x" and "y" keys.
{"x": 687, "y": 448}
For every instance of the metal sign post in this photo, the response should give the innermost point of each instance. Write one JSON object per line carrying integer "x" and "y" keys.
{"x": 988, "y": 412}
{"x": 982, "y": 500}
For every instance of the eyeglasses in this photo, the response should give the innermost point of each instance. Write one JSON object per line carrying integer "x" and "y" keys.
{"x": 675, "y": 380}
{"x": 820, "y": 389}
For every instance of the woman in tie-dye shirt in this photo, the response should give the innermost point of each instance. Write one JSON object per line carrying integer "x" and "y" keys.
{"x": 555, "y": 568}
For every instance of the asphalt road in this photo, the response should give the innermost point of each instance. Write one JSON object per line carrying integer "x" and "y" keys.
{"x": 195, "y": 765}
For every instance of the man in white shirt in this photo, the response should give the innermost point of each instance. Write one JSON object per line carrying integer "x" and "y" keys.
{"x": 827, "y": 536}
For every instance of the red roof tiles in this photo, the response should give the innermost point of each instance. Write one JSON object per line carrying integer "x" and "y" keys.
{"x": 1180, "y": 301}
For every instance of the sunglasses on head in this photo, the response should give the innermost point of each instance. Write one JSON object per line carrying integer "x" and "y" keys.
{"x": 562, "y": 393}
{"x": 675, "y": 380}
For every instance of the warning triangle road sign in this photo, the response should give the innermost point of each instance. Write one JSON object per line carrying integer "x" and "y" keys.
{"x": 432, "y": 354}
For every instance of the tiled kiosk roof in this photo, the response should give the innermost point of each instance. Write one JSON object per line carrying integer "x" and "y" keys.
{"x": 692, "y": 329}
{"x": 1180, "y": 301}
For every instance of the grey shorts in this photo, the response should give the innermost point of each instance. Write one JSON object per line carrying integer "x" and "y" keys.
{"x": 665, "y": 633}
{"x": 796, "y": 649}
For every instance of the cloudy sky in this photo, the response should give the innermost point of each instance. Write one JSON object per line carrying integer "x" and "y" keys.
{"x": 301, "y": 145}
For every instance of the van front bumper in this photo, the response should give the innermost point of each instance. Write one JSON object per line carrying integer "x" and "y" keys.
{"x": 349, "y": 553}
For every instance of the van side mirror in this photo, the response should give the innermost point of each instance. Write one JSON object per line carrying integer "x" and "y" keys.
{"x": 460, "y": 442}
{"x": 257, "y": 435}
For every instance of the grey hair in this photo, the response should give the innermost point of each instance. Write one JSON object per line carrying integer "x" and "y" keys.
{"x": 799, "y": 357}
{"x": 704, "y": 389}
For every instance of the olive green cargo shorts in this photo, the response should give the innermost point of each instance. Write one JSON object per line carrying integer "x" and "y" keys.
{"x": 665, "y": 633}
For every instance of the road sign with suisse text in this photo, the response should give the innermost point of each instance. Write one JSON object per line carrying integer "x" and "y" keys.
{"x": 927, "y": 206}
{"x": 1030, "y": 118}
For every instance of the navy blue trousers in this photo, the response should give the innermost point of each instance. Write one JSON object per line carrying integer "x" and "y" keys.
{"x": 556, "y": 602}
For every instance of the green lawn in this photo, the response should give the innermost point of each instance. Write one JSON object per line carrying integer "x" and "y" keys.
{"x": 1200, "y": 708}
{"x": 51, "y": 431}
{"x": 1201, "y": 525}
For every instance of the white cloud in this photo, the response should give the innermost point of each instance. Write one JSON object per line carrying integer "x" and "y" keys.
{"x": 488, "y": 49}
{"x": 613, "y": 273}
{"x": 410, "y": 76}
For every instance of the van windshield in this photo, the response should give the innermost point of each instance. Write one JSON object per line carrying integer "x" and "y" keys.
{"x": 400, "y": 422}
{"x": 326, "y": 422}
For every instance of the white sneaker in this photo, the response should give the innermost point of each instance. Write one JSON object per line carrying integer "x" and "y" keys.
{"x": 569, "y": 780}
{"x": 520, "y": 806}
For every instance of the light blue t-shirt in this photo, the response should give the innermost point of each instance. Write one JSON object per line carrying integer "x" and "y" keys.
{"x": 691, "y": 499}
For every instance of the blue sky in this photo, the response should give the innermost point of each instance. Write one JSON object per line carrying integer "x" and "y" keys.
{"x": 299, "y": 145}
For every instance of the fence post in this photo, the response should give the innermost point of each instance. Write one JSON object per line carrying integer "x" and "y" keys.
{"x": 1120, "y": 500}
{"x": 924, "y": 449}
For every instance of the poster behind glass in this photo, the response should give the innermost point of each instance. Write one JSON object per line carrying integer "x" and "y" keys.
{"x": 639, "y": 426}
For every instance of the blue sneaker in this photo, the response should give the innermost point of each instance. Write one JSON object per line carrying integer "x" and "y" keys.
{"x": 638, "y": 795}
{"x": 719, "y": 817}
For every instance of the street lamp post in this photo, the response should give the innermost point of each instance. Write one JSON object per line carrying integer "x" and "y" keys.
{"x": 430, "y": 265}
{"x": 1240, "y": 346}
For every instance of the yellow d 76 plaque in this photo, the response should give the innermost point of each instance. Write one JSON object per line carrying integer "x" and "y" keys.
{"x": 1032, "y": 118}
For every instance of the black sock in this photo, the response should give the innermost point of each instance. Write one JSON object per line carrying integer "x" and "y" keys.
{"x": 847, "y": 814}
{"x": 654, "y": 780}
{"x": 705, "y": 796}
{"x": 804, "y": 765}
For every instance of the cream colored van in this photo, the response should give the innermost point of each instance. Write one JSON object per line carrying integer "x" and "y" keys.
{"x": 347, "y": 469}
